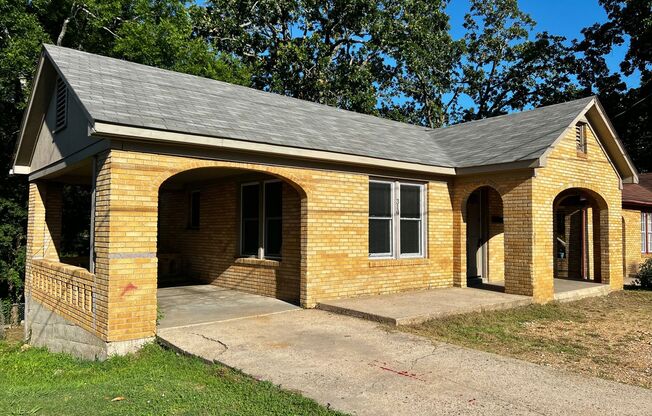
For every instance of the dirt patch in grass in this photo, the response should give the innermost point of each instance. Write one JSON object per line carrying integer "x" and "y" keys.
{"x": 14, "y": 334}
{"x": 608, "y": 337}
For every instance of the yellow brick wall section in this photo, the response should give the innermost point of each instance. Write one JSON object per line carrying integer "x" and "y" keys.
{"x": 593, "y": 172}
{"x": 334, "y": 236}
{"x": 496, "y": 237}
{"x": 633, "y": 257}
{"x": 515, "y": 189}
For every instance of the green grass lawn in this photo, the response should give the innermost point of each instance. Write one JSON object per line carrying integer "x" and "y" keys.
{"x": 608, "y": 336}
{"x": 155, "y": 381}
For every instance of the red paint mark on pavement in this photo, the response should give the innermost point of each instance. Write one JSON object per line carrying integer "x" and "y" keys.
{"x": 128, "y": 289}
{"x": 404, "y": 373}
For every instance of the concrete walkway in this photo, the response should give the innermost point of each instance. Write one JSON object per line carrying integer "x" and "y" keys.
{"x": 358, "y": 367}
{"x": 415, "y": 307}
{"x": 197, "y": 304}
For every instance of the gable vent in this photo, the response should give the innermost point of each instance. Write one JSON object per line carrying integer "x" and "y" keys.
{"x": 61, "y": 105}
{"x": 580, "y": 137}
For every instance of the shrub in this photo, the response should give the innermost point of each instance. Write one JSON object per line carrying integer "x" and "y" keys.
{"x": 644, "y": 275}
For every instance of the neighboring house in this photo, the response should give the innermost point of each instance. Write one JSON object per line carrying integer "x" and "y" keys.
{"x": 195, "y": 178}
{"x": 637, "y": 223}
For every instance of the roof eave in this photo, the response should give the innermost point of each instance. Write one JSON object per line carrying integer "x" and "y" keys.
{"x": 17, "y": 169}
{"x": 119, "y": 131}
{"x": 500, "y": 167}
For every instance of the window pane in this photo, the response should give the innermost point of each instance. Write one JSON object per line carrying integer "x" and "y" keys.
{"x": 410, "y": 237}
{"x": 273, "y": 199}
{"x": 380, "y": 199}
{"x": 643, "y": 233}
{"x": 250, "y": 195}
{"x": 380, "y": 234}
{"x": 410, "y": 201}
{"x": 273, "y": 235}
{"x": 250, "y": 237}
{"x": 250, "y": 221}
{"x": 649, "y": 232}
{"x": 642, "y": 222}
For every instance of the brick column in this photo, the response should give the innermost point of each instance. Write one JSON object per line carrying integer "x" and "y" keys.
{"x": 611, "y": 255}
{"x": 125, "y": 247}
{"x": 528, "y": 244}
{"x": 44, "y": 221}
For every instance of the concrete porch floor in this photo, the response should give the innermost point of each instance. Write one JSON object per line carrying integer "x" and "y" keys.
{"x": 200, "y": 304}
{"x": 415, "y": 307}
{"x": 410, "y": 308}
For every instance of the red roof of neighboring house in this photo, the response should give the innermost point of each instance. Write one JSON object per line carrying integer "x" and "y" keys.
{"x": 639, "y": 193}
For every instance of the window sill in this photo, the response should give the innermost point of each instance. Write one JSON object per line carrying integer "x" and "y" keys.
{"x": 392, "y": 262}
{"x": 582, "y": 155}
{"x": 252, "y": 261}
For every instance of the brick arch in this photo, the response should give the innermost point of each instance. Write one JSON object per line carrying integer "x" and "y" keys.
{"x": 493, "y": 265}
{"x": 300, "y": 185}
{"x": 470, "y": 188}
{"x": 589, "y": 190}
{"x": 599, "y": 228}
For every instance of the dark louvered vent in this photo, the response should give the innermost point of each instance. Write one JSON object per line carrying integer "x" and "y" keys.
{"x": 580, "y": 137}
{"x": 61, "y": 105}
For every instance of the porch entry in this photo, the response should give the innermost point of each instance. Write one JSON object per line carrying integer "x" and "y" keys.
{"x": 485, "y": 237}
{"x": 577, "y": 236}
{"x": 232, "y": 228}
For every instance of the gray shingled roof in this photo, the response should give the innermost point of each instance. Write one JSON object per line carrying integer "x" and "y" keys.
{"x": 117, "y": 91}
{"x": 508, "y": 138}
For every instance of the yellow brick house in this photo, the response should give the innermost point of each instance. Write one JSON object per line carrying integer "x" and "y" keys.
{"x": 190, "y": 178}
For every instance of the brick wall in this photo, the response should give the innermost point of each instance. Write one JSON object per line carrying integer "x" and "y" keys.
{"x": 333, "y": 243}
{"x": 496, "y": 237}
{"x": 633, "y": 257}
{"x": 595, "y": 176}
{"x": 328, "y": 256}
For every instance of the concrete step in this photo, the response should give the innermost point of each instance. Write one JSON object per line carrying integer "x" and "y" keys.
{"x": 577, "y": 294}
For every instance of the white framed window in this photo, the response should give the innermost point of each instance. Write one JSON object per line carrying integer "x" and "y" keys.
{"x": 649, "y": 232}
{"x": 643, "y": 233}
{"x": 396, "y": 219}
{"x": 261, "y": 223}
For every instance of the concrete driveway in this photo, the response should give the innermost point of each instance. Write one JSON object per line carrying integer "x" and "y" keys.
{"x": 358, "y": 367}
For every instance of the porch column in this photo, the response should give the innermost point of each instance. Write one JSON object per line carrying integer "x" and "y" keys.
{"x": 528, "y": 243}
{"x": 44, "y": 221}
{"x": 611, "y": 255}
{"x": 125, "y": 247}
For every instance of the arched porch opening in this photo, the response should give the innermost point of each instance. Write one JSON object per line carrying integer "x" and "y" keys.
{"x": 233, "y": 228}
{"x": 485, "y": 237}
{"x": 580, "y": 226}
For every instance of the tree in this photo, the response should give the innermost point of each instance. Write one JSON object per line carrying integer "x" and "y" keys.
{"x": 415, "y": 36}
{"x": 503, "y": 69}
{"x": 155, "y": 32}
{"x": 314, "y": 50}
{"x": 162, "y": 35}
{"x": 20, "y": 36}
{"x": 629, "y": 23}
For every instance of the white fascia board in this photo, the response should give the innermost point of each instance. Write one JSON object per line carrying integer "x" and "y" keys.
{"x": 127, "y": 132}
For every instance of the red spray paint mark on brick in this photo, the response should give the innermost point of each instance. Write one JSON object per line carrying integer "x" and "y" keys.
{"x": 130, "y": 287}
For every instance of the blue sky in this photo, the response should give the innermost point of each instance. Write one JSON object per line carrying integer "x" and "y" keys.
{"x": 559, "y": 17}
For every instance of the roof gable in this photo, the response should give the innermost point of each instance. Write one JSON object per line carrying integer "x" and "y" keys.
{"x": 124, "y": 94}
